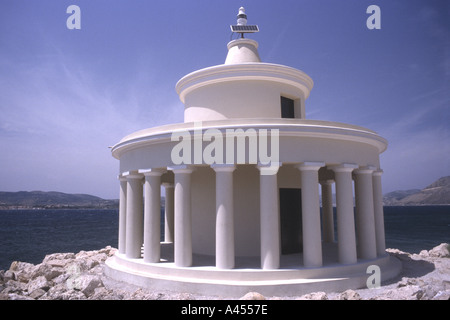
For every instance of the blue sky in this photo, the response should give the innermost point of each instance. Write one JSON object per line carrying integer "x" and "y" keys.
{"x": 66, "y": 95}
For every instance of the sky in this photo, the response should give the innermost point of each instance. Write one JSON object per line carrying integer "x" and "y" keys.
{"x": 67, "y": 95}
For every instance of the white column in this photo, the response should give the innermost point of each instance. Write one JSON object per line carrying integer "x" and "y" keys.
{"x": 224, "y": 216}
{"x": 312, "y": 242}
{"x": 378, "y": 212}
{"x": 183, "y": 218}
{"x": 152, "y": 214}
{"x": 122, "y": 214}
{"x": 168, "y": 213}
{"x": 365, "y": 224}
{"x": 327, "y": 210}
{"x": 269, "y": 217}
{"x": 345, "y": 213}
{"x": 134, "y": 224}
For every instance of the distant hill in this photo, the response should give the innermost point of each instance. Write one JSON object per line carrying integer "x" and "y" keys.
{"x": 52, "y": 200}
{"x": 437, "y": 193}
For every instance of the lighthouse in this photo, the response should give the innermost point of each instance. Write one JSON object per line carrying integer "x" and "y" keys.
{"x": 248, "y": 184}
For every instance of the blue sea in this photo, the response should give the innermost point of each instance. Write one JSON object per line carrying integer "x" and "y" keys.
{"x": 28, "y": 235}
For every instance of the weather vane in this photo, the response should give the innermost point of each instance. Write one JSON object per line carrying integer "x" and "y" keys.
{"x": 242, "y": 26}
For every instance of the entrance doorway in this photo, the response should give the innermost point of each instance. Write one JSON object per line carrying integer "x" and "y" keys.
{"x": 291, "y": 220}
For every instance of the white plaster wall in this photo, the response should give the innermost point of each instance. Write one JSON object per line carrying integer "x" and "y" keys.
{"x": 146, "y": 157}
{"x": 242, "y": 50}
{"x": 304, "y": 149}
{"x": 240, "y": 99}
{"x": 203, "y": 206}
{"x": 246, "y": 210}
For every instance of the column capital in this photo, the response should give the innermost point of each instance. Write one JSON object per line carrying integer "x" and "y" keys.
{"x": 132, "y": 175}
{"x": 167, "y": 185}
{"x": 310, "y": 165}
{"x": 181, "y": 169}
{"x": 344, "y": 167}
{"x": 152, "y": 172}
{"x": 223, "y": 167}
{"x": 378, "y": 172}
{"x": 121, "y": 177}
{"x": 326, "y": 182}
{"x": 268, "y": 169}
{"x": 365, "y": 170}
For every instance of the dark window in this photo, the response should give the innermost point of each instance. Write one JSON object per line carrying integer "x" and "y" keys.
{"x": 287, "y": 108}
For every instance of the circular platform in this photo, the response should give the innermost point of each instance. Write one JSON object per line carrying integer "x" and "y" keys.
{"x": 290, "y": 280}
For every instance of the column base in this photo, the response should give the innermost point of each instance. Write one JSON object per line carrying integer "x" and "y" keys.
{"x": 204, "y": 278}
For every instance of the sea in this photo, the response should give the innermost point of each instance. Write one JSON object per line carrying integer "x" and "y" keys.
{"x": 29, "y": 235}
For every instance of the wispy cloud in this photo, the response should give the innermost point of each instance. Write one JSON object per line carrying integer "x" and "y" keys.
{"x": 56, "y": 110}
{"x": 418, "y": 151}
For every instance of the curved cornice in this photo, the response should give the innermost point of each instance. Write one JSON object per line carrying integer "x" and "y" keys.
{"x": 286, "y": 127}
{"x": 244, "y": 71}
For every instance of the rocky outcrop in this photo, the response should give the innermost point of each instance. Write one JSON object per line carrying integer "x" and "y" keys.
{"x": 425, "y": 276}
{"x": 70, "y": 276}
{"x": 60, "y": 276}
{"x": 441, "y": 251}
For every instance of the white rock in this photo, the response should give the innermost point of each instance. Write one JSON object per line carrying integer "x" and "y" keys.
{"x": 40, "y": 282}
{"x": 253, "y": 296}
{"x": 442, "y": 295}
{"x": 36, "y": 294}
{"x": 349, "y": 295}
{"x": 45, "y": 270}
{"x": 440, "y": 251}
{"x": 9, "y": 275}
{"x": 15, "y": 296}
{"x": 84, "y": 283}
{"x": 314, "y": 296}
{"x": 73, "y": 295}
{"x": 424, "y": 254}
{"x": 58, "y": 256}
{"x": 21, "y": 266}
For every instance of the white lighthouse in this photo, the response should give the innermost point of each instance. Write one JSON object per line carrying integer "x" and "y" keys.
{"x": 243, "y": 210}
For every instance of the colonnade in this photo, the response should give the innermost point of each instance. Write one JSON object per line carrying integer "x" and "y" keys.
{"x": 359, "y": 235}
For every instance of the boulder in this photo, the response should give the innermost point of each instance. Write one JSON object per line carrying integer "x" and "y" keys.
{"x": 349, "y": 295}
{"x": 85, "y": 283}
{"x": 73, "y": 295}
{"x": 46, "y": 270}
{"x": 16, "y": 296}
{"x": 18, "y": 266}
{"x": 440, "y": 251}
{"x": 253, "y": 296}
{"x": 314, "y": 296}
{"x": 9, "y": 275}
{"x": 40, "y": 282}
{"x": 55, "y": 292}
{"x": 13, "y": 286}
{"x": 57, "y": 263}
{"x": 36, "y": 294}
{"x": 101, "y": 293}
{"x": 58, "y": 256}
{"x": 442, "y": 295}
{"x": 409, "y": 282}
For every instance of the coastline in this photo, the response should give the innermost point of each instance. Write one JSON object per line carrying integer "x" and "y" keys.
{"x": 79, "y": 276}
